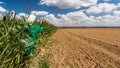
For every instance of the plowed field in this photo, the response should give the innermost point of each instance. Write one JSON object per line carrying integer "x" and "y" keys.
{"x": 86, "y": 48}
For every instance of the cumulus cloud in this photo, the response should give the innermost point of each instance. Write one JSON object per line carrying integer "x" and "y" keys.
{"x": 116, "y": 12}
{"x": 75, "y": 17}
{"x": 94, "y": 10}
{"x": 69, "y": 19}
{"x": 22, "y": 14}
{"x": 2, "y": 9}
{"x": 40, "y": 13}
{"x": 110, "y": 20}
{"x": 79, "y": 18}
{"x": 66, "y": 4}
{"x": 102, "y": 7}
{"x": 52, "y": 19}
{"x": 106, "y": 7}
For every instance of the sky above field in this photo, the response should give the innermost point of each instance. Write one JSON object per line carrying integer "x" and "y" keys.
{"x": 67, "y": 12}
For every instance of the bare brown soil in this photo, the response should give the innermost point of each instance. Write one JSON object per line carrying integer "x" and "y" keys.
{"x": 86, "y": 48}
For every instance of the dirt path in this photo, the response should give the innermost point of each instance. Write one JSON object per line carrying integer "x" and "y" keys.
{"x": 86, "y": 48}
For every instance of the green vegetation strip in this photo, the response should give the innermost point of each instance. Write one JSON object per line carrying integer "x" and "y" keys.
{"x": 11, "y": 46}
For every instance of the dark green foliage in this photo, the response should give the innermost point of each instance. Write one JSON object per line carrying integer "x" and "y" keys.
{"x": 48, "y": 28}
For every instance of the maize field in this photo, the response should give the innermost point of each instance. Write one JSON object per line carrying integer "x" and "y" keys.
{"x": 12, "y": 38}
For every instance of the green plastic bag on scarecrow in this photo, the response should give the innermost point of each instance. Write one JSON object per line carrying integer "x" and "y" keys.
{"x": 32, "y": 31}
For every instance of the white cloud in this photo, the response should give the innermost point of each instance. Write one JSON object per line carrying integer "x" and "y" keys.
{"x": 110, "y": 20}
{"x": 2, "y": 9}
{"x": 22, "y": 14}
{"x": 40, "y": 13}
{"x": 106, "y": 7}
{"x": 116, "y": 12}
{"x": 52, "y": 19}
{"x": 79, "y": 18}
{"x": 66, "y": 4}
{"x": 76, "y": 17}
{"x": 94, "y": 10}
{"x": 102, "y": 7}
{"x": 70, "y": 19}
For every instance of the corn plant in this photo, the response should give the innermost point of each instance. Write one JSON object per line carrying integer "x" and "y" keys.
{"x": 12, "y": 39}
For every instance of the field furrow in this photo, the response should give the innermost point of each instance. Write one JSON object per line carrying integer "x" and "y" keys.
{"x": 78, "y": 48}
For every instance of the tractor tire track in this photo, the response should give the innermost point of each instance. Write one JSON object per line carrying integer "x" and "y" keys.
{"x": 98, "y": 55}
{"x": 115, "y": 48}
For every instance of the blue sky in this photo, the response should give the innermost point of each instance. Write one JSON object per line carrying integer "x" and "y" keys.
{"x": 69, "y": 13}
{"x": 22, "y": 6}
